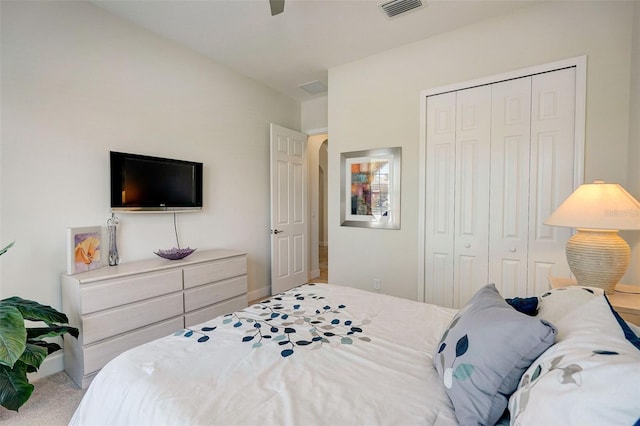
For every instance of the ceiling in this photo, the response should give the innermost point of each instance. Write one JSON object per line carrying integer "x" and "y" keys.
{"x": 301, "y": 44}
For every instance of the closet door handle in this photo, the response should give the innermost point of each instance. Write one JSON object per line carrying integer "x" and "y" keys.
{"x": 513, "y": 250}
{"x": 467, "y": 245}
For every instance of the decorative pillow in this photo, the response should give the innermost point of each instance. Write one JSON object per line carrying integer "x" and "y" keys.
{"x": 557, "y": 303}
{"x": 483, "y": 353}
{"x": 592, "y": 377}
{"x": 527, "y": 305}
{"x": 628, "y": 332}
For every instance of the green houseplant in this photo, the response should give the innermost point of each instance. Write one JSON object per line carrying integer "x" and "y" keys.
{"x": 22, "y": 349}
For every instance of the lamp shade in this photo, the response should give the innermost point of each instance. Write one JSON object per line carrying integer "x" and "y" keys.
{"x": 598, "y": 205}
{"x": 596, "y": 254}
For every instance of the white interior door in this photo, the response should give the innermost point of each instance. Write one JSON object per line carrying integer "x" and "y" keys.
{"x": 289, "y": 239}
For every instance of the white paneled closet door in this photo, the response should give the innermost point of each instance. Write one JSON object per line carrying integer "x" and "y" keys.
{"x": 553, "y": 109}
{"x": 471, "y": 212}
{"x": 457, "y": 186}
{"x": 499, "y": 160}
{"x": 509, "y": 207}
{"x": 439, "y": 208}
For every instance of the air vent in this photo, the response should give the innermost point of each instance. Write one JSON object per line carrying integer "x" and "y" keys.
{"x": 394, "y": 8}
{"x": 314, "y": 87}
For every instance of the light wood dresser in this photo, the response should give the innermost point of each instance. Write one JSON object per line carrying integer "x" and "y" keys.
{"x": 119, "y": 307}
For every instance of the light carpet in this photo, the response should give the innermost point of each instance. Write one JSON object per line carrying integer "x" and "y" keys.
{"x": 52, "y": 403}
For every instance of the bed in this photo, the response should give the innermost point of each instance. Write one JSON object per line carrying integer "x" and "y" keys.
{"x": 323, "y": 354}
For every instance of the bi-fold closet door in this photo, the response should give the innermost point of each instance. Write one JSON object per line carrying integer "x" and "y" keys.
{"x": 499, "y": 160}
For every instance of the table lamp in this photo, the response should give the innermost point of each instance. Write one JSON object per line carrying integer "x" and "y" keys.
{"x": 596, "y": 254}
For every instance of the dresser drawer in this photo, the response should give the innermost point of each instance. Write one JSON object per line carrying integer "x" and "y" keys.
{"x": 210, "y": 312}
{"x": 96, "y": 356}
{"x": 214, "y": 271}
{"x": 209, "y": 294}
{"x": 129, "y": 317}
{"x": 120, "y": 291}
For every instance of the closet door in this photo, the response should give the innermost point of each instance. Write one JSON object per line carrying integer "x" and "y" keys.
{"x": 472, "y": 168}
{"x": 439, "y": 208}
{"x": 509, "y": 207}
{"x": 552, "y": 170}
{"x": 499, "y": 160}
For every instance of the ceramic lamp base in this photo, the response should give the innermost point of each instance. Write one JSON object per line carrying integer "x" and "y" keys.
{"x": 598, "y": 258}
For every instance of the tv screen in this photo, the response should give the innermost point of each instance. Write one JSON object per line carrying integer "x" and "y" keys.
{"x": 145, "y": 183}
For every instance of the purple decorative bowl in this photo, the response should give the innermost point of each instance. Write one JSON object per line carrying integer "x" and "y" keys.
{"x": 175, "y": 253}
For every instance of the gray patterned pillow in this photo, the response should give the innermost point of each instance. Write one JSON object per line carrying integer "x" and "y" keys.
{"x": 484, "y": 352}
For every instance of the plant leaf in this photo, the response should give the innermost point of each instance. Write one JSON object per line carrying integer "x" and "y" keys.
{"x": 15, "y": 389}
{"x": 13, "y": 335}
{"x": 33, "y": 355}
{"x": 34, "y": 311}
{"x": 53, "y": 331}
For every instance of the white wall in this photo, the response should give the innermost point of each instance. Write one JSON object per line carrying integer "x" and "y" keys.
{"x": 314, "y": 115}
{"x": 633, "y": 182}
{"x": 374, "y": 103}
{"x": 78, "y": 82}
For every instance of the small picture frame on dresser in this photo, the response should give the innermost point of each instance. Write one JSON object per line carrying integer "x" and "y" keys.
{"x": 86, "y": 249}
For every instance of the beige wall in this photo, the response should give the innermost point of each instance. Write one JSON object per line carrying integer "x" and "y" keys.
{"x": 633, "y": 182}
{"x": 314, "y": 115}
{"x": 375, "y": 102}
{"x": 78, "y": 82}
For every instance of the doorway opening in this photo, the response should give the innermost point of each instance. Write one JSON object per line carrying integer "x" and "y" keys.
{"x": 317, "y": 148}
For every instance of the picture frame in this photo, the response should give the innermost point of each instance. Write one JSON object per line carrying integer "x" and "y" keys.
{"x": 86, "y": 249}
{"x": 370, "y": 188}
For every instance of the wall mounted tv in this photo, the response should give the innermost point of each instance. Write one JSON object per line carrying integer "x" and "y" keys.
{"x": 153, "y": 184}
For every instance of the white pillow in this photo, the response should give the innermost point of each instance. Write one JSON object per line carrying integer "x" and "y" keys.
{"x": 554, "y": 304}
{"x": 591, "y": 377}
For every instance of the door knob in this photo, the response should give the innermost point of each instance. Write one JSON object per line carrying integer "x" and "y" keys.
{"x": 513, "y": 250}
{"x": 467, "y": 245}
{"x": 276, "y": 231}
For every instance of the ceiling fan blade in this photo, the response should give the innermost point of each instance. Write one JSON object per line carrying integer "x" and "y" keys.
{"x": 277, "y": 7}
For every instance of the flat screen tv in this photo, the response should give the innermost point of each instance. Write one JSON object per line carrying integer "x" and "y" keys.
{"x": 154, "y": 184}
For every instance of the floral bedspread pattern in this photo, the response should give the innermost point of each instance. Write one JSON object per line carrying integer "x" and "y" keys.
{"x": 316, "y": 355}
{"x": 289, "y": 321}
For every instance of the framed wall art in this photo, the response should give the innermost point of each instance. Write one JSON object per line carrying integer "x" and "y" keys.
{"x": 85, "y": 249}
{"x": 370, "y": 188}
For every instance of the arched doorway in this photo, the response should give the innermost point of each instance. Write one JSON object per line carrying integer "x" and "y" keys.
{"x": 317, "y": 157}
{"x": 323, "y": 236}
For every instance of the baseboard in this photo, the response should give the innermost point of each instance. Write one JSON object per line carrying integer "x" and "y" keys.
{"x": 259, "y": 294}
{"x": 52, "y": 364}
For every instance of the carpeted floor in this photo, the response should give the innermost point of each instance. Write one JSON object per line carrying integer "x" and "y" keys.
{"x": 52, "y": 403}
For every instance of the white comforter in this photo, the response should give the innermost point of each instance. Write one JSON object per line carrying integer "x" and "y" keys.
{"x": 316, "y": 355}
